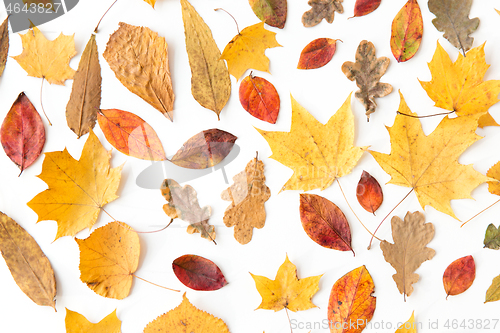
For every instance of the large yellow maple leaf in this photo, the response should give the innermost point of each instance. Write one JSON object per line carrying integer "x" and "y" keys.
{"x": 459, "y": 86}
{"x": 78, "y": 189}
{"x": 317, "y": 153}
{"x": 429, "y": 164}
{"x": 76, "y": 323}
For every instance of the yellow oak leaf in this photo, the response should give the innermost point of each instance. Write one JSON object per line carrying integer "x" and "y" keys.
{"x": 47, "y": 59}
{"x": 186, "y": 318}
{"x": 429, "y": 164}
{"x": 459, "y": 86}
{"x": 286, "y": 290}
{"x": 76, "y": 323}
{"x": 246, "y": 50}
{"x": 78, "y": 189}
{"x": 317, "y": 153}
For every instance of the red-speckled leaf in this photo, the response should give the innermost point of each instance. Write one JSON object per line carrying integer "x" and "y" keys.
{"x": 205, "y": 149}
{"x": 22, "y": 133}
{"x": 130, "y": 134}
{"x": 406, "y": 32}
{"x": 259, "y": 97}
{"x": 198, "y": 273}
{"x": 365, "y": 7}
{"x": 369, "y": 193}
{"x": 272, "y": 12}
{"x": 459, "y": 275}
{"x": 317, "y": 53}
{"x": 324, "y": 222}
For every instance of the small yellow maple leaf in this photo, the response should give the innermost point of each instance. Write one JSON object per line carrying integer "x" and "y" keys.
{"x": 246, "y": 50}
{"x": 76, "y": 323}
{"x": 78, "y": 189}
{"x": 317, "y": 153}
{"x": 286, "y": 290}
{"x": 47, "y": 59}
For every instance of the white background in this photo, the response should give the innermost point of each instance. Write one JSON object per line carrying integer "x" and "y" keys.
{"x": 321, "y": 91}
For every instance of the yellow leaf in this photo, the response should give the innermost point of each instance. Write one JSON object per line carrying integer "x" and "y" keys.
{"x": 429, "y": 164}
{"x": 108, "y": 259}
{"x": 151, "y": 2}
{"x": 76, "y": 323}
{"x": 459, "y": 86}
{"x": 410, "y": 326}
{"x": 186, "y": 318}
{"x": 286, "y": 290}
{"x": 47, "y": 59}
{"x": 78, "y": 189}
{"x": 317, "y": 153}
{"x": 246, "y": 50}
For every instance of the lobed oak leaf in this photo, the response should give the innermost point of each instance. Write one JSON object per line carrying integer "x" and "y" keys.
{"x": 459, "y": 276}
{"x": 272, "y": 12}
{"x": 321, "y": 9}
{"x": 76, "y": 323}
{"x": 406, "y": 31}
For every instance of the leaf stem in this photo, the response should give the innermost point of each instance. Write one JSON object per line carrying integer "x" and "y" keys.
{"x": 480, "y": 212}
{"x": 427, "y": 116}
{"x": 108, "y": 214}
{"x": 237, "y": 28}
{"x": 289, "y": 321}
{"x": 97, "y": 26}
{"x": 151, "y": 232}
{"x": 154, "y": 284}
{"x": 41, "y": 104}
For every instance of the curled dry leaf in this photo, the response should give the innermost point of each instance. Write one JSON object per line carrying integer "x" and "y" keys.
{"x": 321, "y": 9}
{"x": 4, "y": 44}
{"x": 325, "y": 223}
{"x": 406, "y": 31}
{"x": 22, "y": 133}
{"x": 351, "y": 301}
{"x": 198, "y": 273}
{"x": 317, "y": 53}
{"x": 27, "y": 263}
{"x": 409, "y": 326}
{"x": 459, "y": 275}
{"x": 492, "y": 237}
{"x": 365, "y": 7}
{"x": 139, "y": 59}
{"x": 493, "y": 292}
{"x": 130, "y": 134}
{"x": 108, "y": 259}
{"x": 260, "y": 98}
{"x": 247, "y": 195}
{"x": 272, "y": 12}
{"x": 76, "y": 323}
{"x": 369, "y": 193}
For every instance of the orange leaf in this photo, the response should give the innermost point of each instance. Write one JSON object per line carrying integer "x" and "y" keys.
{"x": 369, "y": 193}
{"x": 459, "y": 275}
{"x": 260, "y": 98}
{"x": 317, "y": 53}
{"x": 406, "y": 31}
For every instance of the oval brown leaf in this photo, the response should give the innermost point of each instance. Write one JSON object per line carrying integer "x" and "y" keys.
{"x": 205, "y": 149}
{"x": 198, "y": 273}
{"x": 260, "y": 98}
{"x": 365, "y": 7}
{"x": 22, "y": 133}
{"x": 369, "y": 193}
{"x": 130, "y": 134}
{"x": 317, "y": 53}
{"x": 459, "y": 275}
{"x": 324, "y": 222}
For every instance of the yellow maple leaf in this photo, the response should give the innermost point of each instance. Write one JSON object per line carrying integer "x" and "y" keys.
{"x": 78, "y": 189}
{"x": 317, "y": 153}
{"x": 459, "y": 86}
{"x": 286, "y": 290}
{"x": 428, "y": 164}
{"x": 76, "y": 323}
{"x": 246, "y": 50}
{"x": 47, "y": 59}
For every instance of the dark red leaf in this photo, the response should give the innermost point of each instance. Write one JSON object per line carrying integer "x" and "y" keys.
{"x": 369, "y": 193}
{"x": 259, "y": 97}
{"x": 198, "y": 273}
{"x": 317, "y": 53}
{"x": 365, "y": 7}
{"x": 459, "y": 275}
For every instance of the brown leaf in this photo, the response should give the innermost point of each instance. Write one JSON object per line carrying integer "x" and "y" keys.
{"x": 198, "y": 273}
{"x": 369, "y": 193}
{"x": 409, "y": 250}
{"x": 365, "y": 7}
{"x": 317, "y": 53}
{"x": 27, "y": 263}
{"x": 247, "y": 195}
{"x": 367, "y": 71}
{"x": 459, "y": 275}
{"x": 139, "y": 59}
{"x": 321, "y": 9}
{"x": 4, "y": 44}
{"x": 260, "y": 98}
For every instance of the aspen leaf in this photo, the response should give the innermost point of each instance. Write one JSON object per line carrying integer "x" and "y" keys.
{"x": 492, "y": 237}
{"x": 272, "y": 12}
{"x": 409, "y": 326}
{"x": 317, "y": 53}
{"x": 493, "y": 292}
{"x": 365, "y": 7}
{"x": 260, "y": 98}
{"x": 198, "y": 273}
{"x": 321, "y": 9}
{"x": 76, "y": 323}
{"x": 4, "y": 44}
{"x": 286, "y": 290}
{"x": 459, "y": 275}
{"x": 369, "y": 193}
{"x": 406, "y": 32}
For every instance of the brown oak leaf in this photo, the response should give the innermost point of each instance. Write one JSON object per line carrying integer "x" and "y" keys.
{"x": 321, "y": 9}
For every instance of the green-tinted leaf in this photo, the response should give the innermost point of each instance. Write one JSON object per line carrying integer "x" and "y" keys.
{"x": 272, "y": 12}
{"x": 406, "y": 32}
{"x": 492, "y": 237}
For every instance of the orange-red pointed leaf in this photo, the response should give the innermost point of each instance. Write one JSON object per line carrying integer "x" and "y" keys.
{"x": 130, "y": 135}
{"x": 198, "y": 273}
{"x": 324, "y": 222}
{"x": 459, "y": 275}
{"x": 317, "y": 53}
{"x": 351, "y": 301}
{"x": 260, "y": 98}
{"x": 22, "y": 133}
{"x": 369, "y": 193}
{"x": 272, "y": 12}
{"x": 406, "y": 32}
{"x": 365, "y": 7}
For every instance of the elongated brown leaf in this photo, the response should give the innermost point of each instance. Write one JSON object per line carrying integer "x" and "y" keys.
{"x": 365, "y": 7}
{"x": 28, "y": 265}
{"x": 198, "y": 273}
{"x": 317, "y": 53}
{"x": 324, "y": 222}
{"x": 4, "y": 44}
{"x": 260, "y": 98}
{"x": 459, "y": 275}
{"x": 406, "y": 32}
{"x": 321, "y": 9}
{"x": 22, "y": 133}
{"x": 85, "y": 98}
{"x": 139, "y": 59}
{"x": 272, "y": 12}
{"x": 369, "y": 193}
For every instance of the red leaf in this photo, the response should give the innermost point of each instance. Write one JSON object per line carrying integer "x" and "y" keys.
{"x": 369, "y": 193}
{"x": 365, "y": 7}
{"x": 324, "y": 222}
{"x": 22, "y": 133}
{"x": 317, "y": 53}
{"x": 130, "y": 134}
{"x": 259, "y": 97}
{"x": 198, "y": 273}
{"x": 459, "y": 275}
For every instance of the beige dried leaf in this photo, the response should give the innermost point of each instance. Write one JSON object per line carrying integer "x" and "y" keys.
{"x": 321, "y": 9}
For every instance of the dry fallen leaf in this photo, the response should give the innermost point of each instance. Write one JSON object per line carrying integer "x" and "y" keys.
{"x": 260, "y": 98}
{"x": 406, "y": 32}
{"x": 76, "y": 323}
{"x": 78, "y": 189}
{"x": 409, "y": 326}
{"x": 270, "y": 12}
{"x": 365, "y": 7}
{"x": 492, "y": 237}
{"x": 369, "y": 193}
{"x": 317, "y": 53}
{"x": 4, "y": 44}
{"x": 493, "y": 292}
{"x": 459, "y": 275}
{"x": 151, "y": 2}
{"x": 321, "y": 9}
{"x": 198, "y": 273}
{"x": 409, "y": 250}
{"x": 247, "y": 195}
